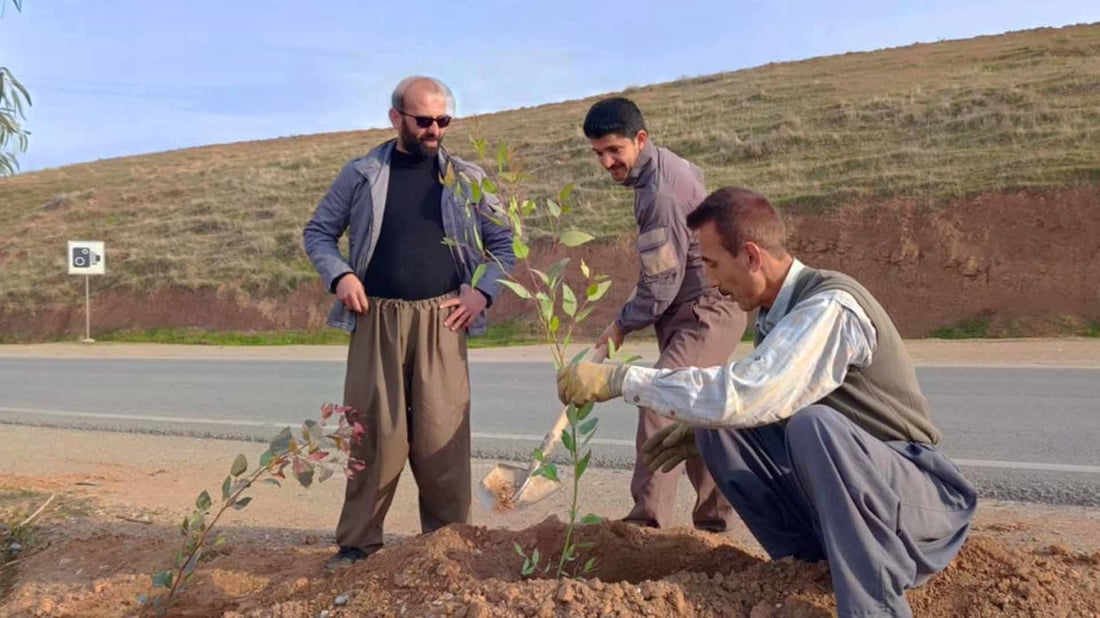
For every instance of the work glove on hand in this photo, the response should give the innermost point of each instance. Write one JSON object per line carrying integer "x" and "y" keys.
{"x": 584, "y": 382}
{"x": 669, "y": 446}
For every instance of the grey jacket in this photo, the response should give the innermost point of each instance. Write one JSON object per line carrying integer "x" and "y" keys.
{"x": 666, "y": 188}
{"x": 356, "y": 201}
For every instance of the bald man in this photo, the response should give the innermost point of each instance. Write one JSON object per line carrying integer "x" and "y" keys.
{"x": 409, "y": 302}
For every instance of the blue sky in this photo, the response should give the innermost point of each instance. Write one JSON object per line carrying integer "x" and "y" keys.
{"x": 119, "y": 77}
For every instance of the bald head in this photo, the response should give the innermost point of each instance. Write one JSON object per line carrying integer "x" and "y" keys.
{"x": 420, "y": 112}
{"x": 419, "y": 87}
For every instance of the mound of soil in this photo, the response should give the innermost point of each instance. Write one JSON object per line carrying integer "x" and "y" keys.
{"x": 474, "y": 572}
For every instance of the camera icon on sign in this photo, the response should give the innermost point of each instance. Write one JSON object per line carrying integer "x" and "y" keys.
{"x": 84, "y": 257}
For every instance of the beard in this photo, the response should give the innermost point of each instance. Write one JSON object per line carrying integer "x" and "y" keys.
{"x": 416, "y": 147}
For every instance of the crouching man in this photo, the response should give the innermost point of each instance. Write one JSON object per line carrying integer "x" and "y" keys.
{"x": 820, "y": 439}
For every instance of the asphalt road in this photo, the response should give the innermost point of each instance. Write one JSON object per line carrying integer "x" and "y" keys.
{"x": 1020, "y": 433}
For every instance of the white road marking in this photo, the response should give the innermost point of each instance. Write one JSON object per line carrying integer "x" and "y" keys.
{"x": 508, "y": 437}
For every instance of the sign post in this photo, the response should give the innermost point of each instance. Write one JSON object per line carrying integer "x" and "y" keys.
{"x": 87, "y": 257}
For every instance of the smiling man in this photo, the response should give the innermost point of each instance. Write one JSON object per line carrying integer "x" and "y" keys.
{"x": 409, "y": 301}
{"x": 694, "y": 324}
{"x": 821, "y": 438}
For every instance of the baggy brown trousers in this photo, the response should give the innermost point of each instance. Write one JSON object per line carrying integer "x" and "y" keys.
{"x": 409, "y": 375}
{"x": 702, "y": 333}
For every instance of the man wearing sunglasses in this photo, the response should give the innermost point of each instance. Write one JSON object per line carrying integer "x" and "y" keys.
{"x": 408, "y": 299}
{"x": 694, "y": 323}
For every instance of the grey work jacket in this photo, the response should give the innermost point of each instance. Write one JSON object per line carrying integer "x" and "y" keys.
{"x": 666, "y": 188}
{"x": 356, "y": 202}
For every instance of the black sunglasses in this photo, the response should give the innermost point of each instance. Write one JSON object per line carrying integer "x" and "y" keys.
{"x": 426, "y": 121}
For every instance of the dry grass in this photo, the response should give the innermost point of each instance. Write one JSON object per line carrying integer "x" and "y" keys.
{"x": 930, "y": 121}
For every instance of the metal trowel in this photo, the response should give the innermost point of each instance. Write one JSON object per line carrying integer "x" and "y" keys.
{"x": 509, "y": 487}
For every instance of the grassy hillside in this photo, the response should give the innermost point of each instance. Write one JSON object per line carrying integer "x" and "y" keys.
{"x": 931, "y": 121}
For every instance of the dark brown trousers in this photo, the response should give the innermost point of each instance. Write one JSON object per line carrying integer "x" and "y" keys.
{"x": 410, "y": 376}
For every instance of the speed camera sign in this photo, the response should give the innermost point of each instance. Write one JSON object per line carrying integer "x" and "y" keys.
{"x": 86, "y": 257}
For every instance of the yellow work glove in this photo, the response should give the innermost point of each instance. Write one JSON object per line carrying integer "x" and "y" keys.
{"x": 669, "y": 446}
{"x": 585, "y": 382}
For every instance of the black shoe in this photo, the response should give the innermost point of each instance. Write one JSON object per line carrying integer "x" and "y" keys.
{"x": 346, "y": 557}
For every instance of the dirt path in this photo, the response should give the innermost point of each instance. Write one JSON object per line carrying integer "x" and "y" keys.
{"x": 121, "y": 498}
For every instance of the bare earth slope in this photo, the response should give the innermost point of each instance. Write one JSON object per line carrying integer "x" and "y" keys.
{"x": 958, "y": 179}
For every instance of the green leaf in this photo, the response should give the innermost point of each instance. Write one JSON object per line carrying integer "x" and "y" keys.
{"x": 585, "y": 410}
{"x": 243, "y": 502}
{"x": 555, "y": 210}
{"x": 240, "y": 465}
{"x": 203, "y": 502}
{"x": 588, "y": 426}
{"x": 541, "y": 275}
{"x": 591, "y": 520}
{"x": 479, "y": 272}
{"x": 582, "y": 465}
{"x": 280, "y": 444}
{"x": 597, "y": 290}
{"x": 571, "y": 414}
{"x": 568, "y": 300}
{"x": 519, "y": 549}
{"x": 220, "y": 540}
{"x": 312, "y": 432}
{"x": 584, "y": 314}
{"x": 475, "y": 193}
{"x": 528, "y": 207}
{"x": 225, "y": 487}
{"x": 584, "y": 269}
{"x": 555, "y": 324}
{"x": 546, "y": 306}
{"x": 488, "y": 186}
{"x": 578, "y": 357}
{"x": 555, "y": 271}
{"x": 567, "y": 440}
{"x": 502, "y": 154}
{"x": 537, "y": 454}
{"x": 185, "y": 526}
{"x": 265, "y": 459}
{"x": 528, "y": 568}
{"x": 589, "y": 565}
{"x": 535, "y": 556}
{"x": 518, "y": 289}
{"x": 517, "y": 223}
{"x": 575, "y": 238}
{"x": 163, "y": 579}
{"x": 549, "y": 471}
{"x": 520, "y": 248}
{"x": 565, "y": 192}
{"x": 274, "y": 482}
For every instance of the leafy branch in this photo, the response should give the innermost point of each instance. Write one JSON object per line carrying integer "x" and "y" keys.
{"x": 310, "y": 453}
{"x": 558, "y": 307}
{"x": 14, "y": 98}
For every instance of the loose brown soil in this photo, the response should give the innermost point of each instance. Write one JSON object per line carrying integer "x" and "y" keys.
{"x": 116, "y": 516}
{"x": 120, "y": 499}
{"x": 1025, "y": 262}
{"x": 100, "y": 568}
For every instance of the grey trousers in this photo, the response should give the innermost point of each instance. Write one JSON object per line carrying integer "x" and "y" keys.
{"x": 886, "y": 515}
